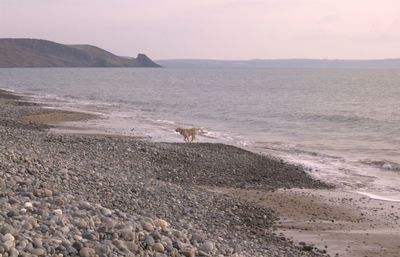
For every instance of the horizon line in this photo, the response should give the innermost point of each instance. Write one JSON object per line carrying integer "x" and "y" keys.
{"x": 279, "y": 59}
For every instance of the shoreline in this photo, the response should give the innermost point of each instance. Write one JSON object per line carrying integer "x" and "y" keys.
{"x": 88, "y": 121}
{"x": 361, "y": 174}
{"x": 287, "y": 204}
{"x": 134, "y": 178}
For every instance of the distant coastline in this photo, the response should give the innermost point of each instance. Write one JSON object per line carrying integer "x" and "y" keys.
{"x": 22, "y": 52}
{"x": 282, "y": 63}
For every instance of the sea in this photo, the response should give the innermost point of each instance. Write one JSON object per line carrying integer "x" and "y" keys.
{"x": 342, "y": 125}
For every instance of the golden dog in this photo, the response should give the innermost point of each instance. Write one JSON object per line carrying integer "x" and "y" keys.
{"x": 189, "y": 133}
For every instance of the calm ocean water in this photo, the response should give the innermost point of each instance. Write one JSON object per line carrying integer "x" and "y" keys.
{"x": 343, "y": 125}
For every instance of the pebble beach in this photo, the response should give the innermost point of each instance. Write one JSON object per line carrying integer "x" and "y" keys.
{"x": 82, "y": 195}
{"x": 99, "y": 195}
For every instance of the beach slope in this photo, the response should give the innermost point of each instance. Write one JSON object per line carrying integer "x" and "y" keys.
{"x": 119, "y": 196}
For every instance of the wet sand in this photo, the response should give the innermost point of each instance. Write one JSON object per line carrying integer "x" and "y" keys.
{"x": 58, "y": 117}
{"x": 342, "y": 223}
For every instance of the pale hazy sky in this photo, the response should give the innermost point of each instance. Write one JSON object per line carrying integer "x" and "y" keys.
{"x": 218, "y": 29}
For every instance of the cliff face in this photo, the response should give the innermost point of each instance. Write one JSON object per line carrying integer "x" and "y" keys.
{"x": 43, "y": 53}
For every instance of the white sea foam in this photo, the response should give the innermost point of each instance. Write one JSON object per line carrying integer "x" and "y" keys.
{"x": 165, "y": 121}
{"x": 380, "y": 197}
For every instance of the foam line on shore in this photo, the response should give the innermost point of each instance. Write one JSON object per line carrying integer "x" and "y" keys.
{"x": 377, "y": 197}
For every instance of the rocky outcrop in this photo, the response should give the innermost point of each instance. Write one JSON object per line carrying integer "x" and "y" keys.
{"x": 43, "y": 53}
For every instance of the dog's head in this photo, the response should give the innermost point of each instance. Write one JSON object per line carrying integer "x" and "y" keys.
{"x": 178, "y": 130}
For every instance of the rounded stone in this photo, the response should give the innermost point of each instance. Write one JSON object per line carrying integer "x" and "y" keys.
{"x": 78, "y": 246}
{"x": 8, "y": 237}
{"x": 158, "y": 247}
{"x": 149, "y": 241}
{"x": 58, "y": 201}
{"x": 2, "y": 184}
{"x": 8, "y": 245}
{"x": 147, "y": 226}
{"x": 27, "y": 226}
{"x": 12, "y": 200}
{"x": 6, "y": 228}
{"x": 13, "y": 252}
{"x": 38, "y": 251}
{"x": 89, "y": 235}
{"x": 106, "y": 212}
{"x": 85, "y": 205}
{"x": 47, "y": 192}
{"x": 198, "y": 237}
{"x": 12, "y": 213}
{"x": 128, "y": 235}
{"x": 103, "y": 250}
{"x": 207, "y": 247}
{"x": 87, "y": 252}
{"x": 119, "y": 244}
{"x": 188, "y": 251}
{"x": 161, "y": 223}
{"x": 58, "y": 212}
{"x": 132, "y": 246}
{"x": 82, "y": 224}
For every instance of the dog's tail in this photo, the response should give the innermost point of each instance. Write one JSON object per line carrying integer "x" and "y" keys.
{"x": 201, "y": 130}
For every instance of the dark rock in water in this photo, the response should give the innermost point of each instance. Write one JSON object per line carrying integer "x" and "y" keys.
{"x": 146, "y": 61}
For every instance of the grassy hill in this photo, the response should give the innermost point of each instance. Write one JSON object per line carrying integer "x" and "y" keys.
{"x": 43, "y": 53}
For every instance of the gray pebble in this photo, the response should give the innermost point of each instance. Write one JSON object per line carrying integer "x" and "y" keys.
{"x": 207, "y": 247}
{"x": 87, "y": 252}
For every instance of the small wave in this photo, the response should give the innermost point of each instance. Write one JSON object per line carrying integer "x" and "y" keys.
{"x": 383, "y": 165}
{"x": 9, "y": 90}
{"x": 148, "y": 109}
{"x": 242, "y": 143}
{"x": 218, "y": 135}
{"x": 165, "y": 121}
{"x": 337, "y": 118}
{"x": 71, "y": 96}
{"x": 226, "y": 138}
{"x": 293, "y": 150}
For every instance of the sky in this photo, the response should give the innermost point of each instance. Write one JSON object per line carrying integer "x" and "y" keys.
{"x": 213, "y": 29}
